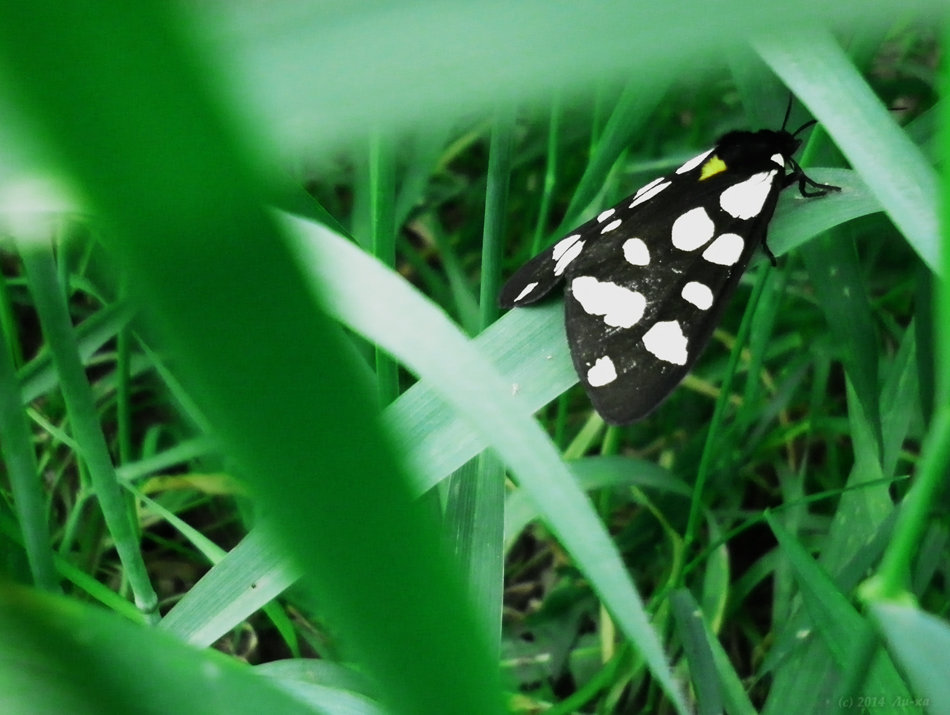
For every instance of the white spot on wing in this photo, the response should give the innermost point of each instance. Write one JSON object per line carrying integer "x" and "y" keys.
{"x": 646, "y": 187}
{"x": 636, "y": 253}
{"x": 692, "y": 230}
{"x": 611, "y": 226}
{"x": 621, "y": 307}
{"x": 572, "y": 252}
{"x": 694, "y": 162}
{"x": 602, "y": 373}
{"x": 604, "y": 215}
{"x": 746, "y": 199}
{"x": 778, "y": 159}
{"x": 698, "y": 294}
{"x": 561, "y": 246}
{"x": 725, "y": 250}
{"x": 667, "y": 342}
{"x": 649, "y": 191}
{"x": 526, "y": 290}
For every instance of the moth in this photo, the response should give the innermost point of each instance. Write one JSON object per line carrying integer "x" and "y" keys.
{"x": 647, "y": 280}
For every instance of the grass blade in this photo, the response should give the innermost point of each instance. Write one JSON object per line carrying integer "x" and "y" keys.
{"x": 431, "y": 346}
{"x": 69, "y": 677}
{"x": 187, "y": 226}
{"x": 816, "y": 69}
{"x": 84, "y": 420}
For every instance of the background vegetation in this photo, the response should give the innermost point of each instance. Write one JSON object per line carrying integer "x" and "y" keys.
{"x": 195, "y": 198}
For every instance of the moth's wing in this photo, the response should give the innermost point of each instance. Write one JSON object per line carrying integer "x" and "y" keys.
{"x": 643, "y": 300}
{"x": 542, "y": 274}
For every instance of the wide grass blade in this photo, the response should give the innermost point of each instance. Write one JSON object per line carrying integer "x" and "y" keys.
{"x": 60, "y": 656}
{"x": 265, "y": 366}
{"x": 816, "y": 69}
{"x": 420, "y": 335}
{"x": 251, "y": 575}
{"x": 920, "y": 644}
{"x": 449, "y": 59}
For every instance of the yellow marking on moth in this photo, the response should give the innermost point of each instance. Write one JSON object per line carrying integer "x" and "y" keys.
{"x": 714, "y": 165}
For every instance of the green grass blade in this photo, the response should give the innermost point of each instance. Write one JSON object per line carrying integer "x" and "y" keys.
{"x": 860, "y": 511}
{"x": 251, "y": 575}
{"x": 550, "y": 175}
{"x": 942, "y": 309}
{"x": 483, "y": 553}
{"x": 523, "y": 50}
{"x": 836, "y": 622}
{"x": 692, "y": 632}
{"x": 474, "y": 522}
{"x": 56, "y": 666}
{"x": 919, "y": 643}
{"x": 39, "y": 376}
{"x": 594, "y": 473}
{"x": 475, "y": 496}
{"x": 496, "y": 211}
{"x": 798, "y": 219}
{"x": 835, "y": 271}
{"x": 325, "y": 673}
{"x": 8, "y": 323}
{"x": 892, "y": 579}
{"x": 817, "y": 70}
{"x": 19, "y": 457}
{"x": 628, "y": 118}
{"x": 899, "y": 400}
{"x": 329, "y": 700}
{"x": 432, "y": 347}
{"x": 84, "y": 420}
{"x": 187, "y": 226}
{"x": 382, "y": 199}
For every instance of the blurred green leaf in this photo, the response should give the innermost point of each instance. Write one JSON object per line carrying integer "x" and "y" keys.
{"x": 420, "y": 60}
{"x": 62, "y": 657}
{"x": 920, "y": 643}
{"x": 181, "y": 202}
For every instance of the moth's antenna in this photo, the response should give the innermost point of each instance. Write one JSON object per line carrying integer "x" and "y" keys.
{"x": 803, "y": 127}
{"x": 788, "y": 112}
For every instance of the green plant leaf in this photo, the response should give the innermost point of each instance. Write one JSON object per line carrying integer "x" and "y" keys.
{"x": 816, "y": 69}
{"x": 60, "y": 656}
{"x": 920, "y": 643}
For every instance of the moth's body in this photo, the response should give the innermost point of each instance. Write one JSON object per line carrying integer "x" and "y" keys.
{"x": 647, "y": 280}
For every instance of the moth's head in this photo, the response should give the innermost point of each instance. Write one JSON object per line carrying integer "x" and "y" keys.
{"x": 755, "y": 151}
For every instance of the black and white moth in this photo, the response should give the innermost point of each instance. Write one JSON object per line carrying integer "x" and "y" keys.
{"x": 647, "y": 280}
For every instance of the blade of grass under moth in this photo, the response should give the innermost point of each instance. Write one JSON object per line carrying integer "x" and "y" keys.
{"x": 429, "y": 345}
